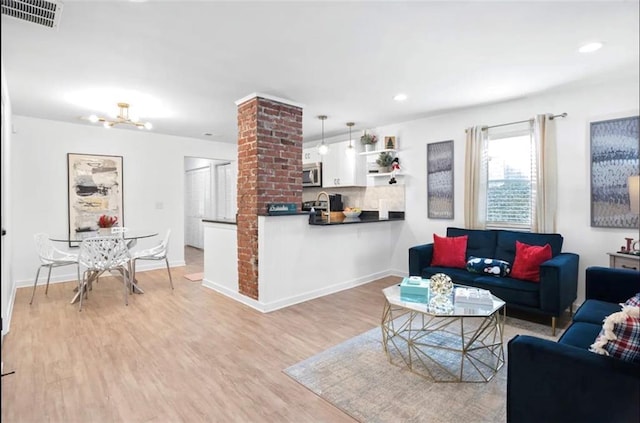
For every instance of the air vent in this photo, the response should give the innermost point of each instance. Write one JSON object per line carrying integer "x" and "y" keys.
{"x": 39, "y": 12}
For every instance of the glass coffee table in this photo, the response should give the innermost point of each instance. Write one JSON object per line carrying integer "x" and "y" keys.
{"x": 441, "y": 340}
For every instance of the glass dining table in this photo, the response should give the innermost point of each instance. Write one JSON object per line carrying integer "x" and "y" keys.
{"x": 74, "y": 239}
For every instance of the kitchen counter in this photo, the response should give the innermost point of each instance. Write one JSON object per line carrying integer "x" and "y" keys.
{"x": 219, "y": 220}
{"x": 365, "y": 217}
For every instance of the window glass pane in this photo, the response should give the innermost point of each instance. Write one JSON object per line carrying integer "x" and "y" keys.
{"x": 509, "y": 181}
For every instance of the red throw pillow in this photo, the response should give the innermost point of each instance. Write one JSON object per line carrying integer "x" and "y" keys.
{"x": 528, "y": 259}
{"x": 450, "y": 251}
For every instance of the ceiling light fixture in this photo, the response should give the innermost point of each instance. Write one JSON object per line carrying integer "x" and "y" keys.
{"x": 590, "y": 47}
{"x": 121, "y": 118}
{"x": 400, "y": 97}
{"x": 350, "y": 151}
{"x": 323, "y": 148}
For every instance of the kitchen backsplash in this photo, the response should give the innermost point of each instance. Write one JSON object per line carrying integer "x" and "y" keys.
{"x": 366, "y": 198}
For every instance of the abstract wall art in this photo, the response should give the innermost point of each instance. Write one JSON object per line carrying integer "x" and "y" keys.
{"x": 615, "y": 148}
{"x": 95, "y": 189}
{"x": 440, "y": 180}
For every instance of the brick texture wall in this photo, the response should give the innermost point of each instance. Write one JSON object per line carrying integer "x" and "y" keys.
{"x": 269, "y": 171}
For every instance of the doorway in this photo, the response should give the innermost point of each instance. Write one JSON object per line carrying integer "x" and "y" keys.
{"x": 210, "y": 193}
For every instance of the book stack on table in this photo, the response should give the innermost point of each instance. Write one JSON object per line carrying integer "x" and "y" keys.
{"x": 475, "y": 296}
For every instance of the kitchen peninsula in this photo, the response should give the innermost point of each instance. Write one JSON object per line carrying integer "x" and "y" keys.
{"x": 299, "y": 261}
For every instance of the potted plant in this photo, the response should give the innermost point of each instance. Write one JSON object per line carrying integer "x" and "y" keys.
{"x": 368, "y": 140}
{"x": 384, "y": 160}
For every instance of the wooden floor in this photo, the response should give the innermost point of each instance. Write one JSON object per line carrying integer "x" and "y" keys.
{"x": 191, "y": 355}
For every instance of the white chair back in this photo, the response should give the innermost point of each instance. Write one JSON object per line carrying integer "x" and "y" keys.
{"x": 44, "y": 247}
{"x": 103, "y": 253}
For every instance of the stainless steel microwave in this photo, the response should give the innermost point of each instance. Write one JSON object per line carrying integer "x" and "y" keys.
{"x": 312, "y": 175}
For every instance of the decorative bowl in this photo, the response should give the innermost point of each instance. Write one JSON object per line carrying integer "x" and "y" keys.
{"x": 351, "y": 213}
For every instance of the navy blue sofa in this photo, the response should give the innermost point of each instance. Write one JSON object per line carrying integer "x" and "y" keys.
{"x": 558, "y": 284}
{"x": 563, "y": 381}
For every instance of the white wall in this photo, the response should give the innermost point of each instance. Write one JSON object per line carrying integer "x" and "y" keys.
{"x": 153, "y": 171}
{"x": 614, "y": 98}
{"x": 7, "y": 288}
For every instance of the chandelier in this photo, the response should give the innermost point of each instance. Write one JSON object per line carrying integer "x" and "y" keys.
{"x": 121, "y": 118}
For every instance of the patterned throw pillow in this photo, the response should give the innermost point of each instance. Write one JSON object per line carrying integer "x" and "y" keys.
{"x": 489, "y": 266}
{"x": 620, "y": 335}
{"x": 633, "y": 301}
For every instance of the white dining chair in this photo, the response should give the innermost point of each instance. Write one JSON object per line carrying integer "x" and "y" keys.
{"x": 102, "y": 254}
{"x": 159, "y": 252}
{"x": 51, "y": 257}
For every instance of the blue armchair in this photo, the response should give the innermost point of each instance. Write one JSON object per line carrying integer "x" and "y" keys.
{"x": 563, "y": 381}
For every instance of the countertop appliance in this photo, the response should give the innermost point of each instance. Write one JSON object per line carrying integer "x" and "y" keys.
{"x": 312, "y": 174}
{"x": 335, "y": 200}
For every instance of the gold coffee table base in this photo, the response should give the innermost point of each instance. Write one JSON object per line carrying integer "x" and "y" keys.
{"x": 444, "y": 348}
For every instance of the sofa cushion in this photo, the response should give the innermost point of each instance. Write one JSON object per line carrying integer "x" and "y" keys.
{"x": 526, "y": 264}
{"x": 512, "y": 291}
{"x": 449, "y": 251}
{"x": 620, "y": 335}
{"x": 481, "y": 243}
{"x": 580, "y": 334}
{"x": 506, "y": 243}
{"x": 595, "y": 311}
{"x": 488, "y": 266}
{"x": 458, "y": 276}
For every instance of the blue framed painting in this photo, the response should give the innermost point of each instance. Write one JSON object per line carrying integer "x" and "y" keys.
{"x": 615, "y": 148}
{"x": 440, "y": 180}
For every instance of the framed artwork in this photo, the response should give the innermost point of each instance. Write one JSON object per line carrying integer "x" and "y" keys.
{"x": 95, "y": 188}
{"x": 615, "y": 148}
{"x": 440, "y": 180}
{"x": 390, "y": 143}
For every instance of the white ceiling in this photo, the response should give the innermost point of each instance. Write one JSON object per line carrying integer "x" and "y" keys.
{"x": 192, "y": 59}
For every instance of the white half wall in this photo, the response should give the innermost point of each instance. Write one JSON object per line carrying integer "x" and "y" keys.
{"x": 153, "y": 171}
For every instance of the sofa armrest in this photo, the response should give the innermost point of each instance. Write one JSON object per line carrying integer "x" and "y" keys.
{"x": 552, "y": 382}
{"x": 610, "y": 284}
{"x": 419, "y": 258}
{"x": 559, "y": 282}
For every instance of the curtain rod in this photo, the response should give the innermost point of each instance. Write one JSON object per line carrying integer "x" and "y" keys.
{"x": 562, "y": 115}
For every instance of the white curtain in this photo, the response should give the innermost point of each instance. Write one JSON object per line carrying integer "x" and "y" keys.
{"x": 545, "y": 192}
{"x": 475, "y": 178}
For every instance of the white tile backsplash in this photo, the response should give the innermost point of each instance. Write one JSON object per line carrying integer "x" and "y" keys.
{"x": 366, "y": 198}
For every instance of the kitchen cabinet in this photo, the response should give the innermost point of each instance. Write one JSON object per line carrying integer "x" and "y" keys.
{"x": 340, "y": 170}
{"x": 311, "y": 155}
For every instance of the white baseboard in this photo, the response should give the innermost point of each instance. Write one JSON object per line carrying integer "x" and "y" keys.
{"x": 141, "y": 266}
{"x": 296, "y": 299}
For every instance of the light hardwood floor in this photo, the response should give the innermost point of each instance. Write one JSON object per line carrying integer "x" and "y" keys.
{"x": 191, "y": 355}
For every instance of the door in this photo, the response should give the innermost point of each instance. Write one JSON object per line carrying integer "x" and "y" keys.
{"x": 197, "y": 204}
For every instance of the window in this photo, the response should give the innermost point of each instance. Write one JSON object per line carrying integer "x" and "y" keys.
{"x": 510, "y": 179}
{"x": 510, "y": 176}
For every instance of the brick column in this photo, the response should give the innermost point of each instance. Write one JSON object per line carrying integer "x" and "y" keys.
{"x": 269, "y": 171}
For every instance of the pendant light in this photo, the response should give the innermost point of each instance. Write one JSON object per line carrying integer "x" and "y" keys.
{"x": 350, "y": 151}
{"x": 323, "y": 148}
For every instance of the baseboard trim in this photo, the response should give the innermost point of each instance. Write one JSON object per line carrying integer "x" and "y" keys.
{"x": 141, "y": 266}
{"x": 296, "y": 299}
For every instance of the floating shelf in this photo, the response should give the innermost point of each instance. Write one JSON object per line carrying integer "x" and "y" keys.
{"x": 383, "y": 174}
{"x": 369, "y": 153}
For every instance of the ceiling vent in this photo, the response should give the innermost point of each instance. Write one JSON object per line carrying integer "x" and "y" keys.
{"x": 40, "y": 12}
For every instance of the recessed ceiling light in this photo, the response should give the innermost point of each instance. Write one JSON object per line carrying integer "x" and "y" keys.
{"x": 400, "y": 97}
{"x": 590, "y": 47}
